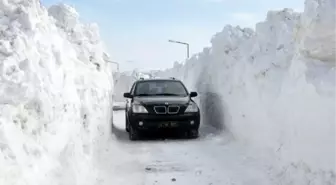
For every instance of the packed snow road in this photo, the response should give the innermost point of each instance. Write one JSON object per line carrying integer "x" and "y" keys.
{"x": 209, "y": 160}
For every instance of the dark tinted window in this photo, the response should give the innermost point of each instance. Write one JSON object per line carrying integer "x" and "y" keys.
{"x": 166, "y": 88}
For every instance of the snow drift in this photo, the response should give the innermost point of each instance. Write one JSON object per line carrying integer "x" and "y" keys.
{"x": 55, "y": 89}
{"x": 274, "y": 89}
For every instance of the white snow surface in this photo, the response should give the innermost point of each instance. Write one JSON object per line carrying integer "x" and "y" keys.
{"x": 273, "y": 89}
{"x": 55, "y": 91}
{"x": 208, "y": 160}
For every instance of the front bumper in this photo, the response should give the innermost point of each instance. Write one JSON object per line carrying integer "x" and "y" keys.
{"x": 185, "y": 121}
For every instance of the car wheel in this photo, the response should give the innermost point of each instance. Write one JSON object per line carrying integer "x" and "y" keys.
{"x": 133, "y": 133}
{"x": 194, "y": 133}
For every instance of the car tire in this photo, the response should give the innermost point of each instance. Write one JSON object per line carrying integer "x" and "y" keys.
{"x": 133, "y": 134}
{"x": 193, "y": 134}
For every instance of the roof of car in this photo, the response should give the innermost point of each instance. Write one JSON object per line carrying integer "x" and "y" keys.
{"x": 158, "y": 79}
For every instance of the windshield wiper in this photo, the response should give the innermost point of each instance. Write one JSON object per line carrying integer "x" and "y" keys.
{"x": 143, "y": 95}
{"x": 168, "y": 94}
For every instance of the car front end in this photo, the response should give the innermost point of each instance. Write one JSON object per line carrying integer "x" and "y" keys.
{"x": 165, "y": 115}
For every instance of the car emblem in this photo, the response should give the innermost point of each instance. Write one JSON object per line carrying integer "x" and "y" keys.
{"x": 166, "y": 103}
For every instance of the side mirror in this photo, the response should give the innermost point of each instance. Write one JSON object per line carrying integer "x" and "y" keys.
{"x": 193, "y": 94}
{"x": 127, "y": 95}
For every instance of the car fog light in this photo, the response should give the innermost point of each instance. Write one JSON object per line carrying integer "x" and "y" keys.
{"x": 192, "y": 122}
{"x": 140, "y": 123}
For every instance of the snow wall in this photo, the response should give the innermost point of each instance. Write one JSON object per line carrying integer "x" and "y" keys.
{"x": 55, "y": 89}
{"x": 274, "y": 89}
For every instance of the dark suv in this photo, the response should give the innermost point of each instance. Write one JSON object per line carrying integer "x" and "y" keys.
{"x": 161, "y": 104}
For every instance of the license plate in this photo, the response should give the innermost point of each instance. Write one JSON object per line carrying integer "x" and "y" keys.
{"x": 173, "y": 124}
{"x": 168, "y": 124}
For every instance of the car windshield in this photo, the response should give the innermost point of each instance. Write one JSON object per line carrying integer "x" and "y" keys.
{"x": 157, "y": 88}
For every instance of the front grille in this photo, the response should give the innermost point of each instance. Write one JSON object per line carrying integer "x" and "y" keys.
{"x": 160, "y": 109}
{"x": 173, "y": 109}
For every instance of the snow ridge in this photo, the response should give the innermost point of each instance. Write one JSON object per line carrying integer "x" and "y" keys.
{"x": 274, "y": 89}
{"x": 55, "y": 89}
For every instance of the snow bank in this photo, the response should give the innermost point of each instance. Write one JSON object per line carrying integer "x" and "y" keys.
{"x": 55, "y": 89}
{"x": 274, "y": 89}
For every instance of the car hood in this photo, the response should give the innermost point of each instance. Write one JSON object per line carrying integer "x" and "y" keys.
{"x": 147, "y": 100}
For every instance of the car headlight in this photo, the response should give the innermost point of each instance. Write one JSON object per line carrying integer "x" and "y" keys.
{"x": 192, "y": 107}
{"x": 137, "y": 108}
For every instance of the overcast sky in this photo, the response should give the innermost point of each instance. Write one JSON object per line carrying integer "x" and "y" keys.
{"x": 136, "y": 32}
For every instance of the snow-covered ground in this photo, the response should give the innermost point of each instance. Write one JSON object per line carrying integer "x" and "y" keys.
{"x": 119, "y": 105}
{"x": 55, "y": 91}
{"x": 209, "y": 160}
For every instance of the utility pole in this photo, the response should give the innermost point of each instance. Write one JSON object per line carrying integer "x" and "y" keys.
{"x": 183, "y": 43}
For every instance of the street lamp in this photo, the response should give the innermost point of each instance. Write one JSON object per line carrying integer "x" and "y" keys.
{"x": 184, "y": 43}
{"x": 115, "y": 63}
{"x": 108, "y": 59}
